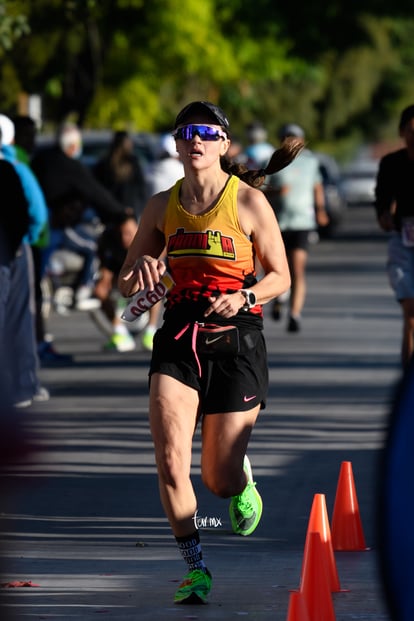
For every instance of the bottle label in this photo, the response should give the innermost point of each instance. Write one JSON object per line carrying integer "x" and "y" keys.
{"x": 143, "y": 300}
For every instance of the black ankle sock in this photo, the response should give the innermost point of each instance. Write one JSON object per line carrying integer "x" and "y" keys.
{"x": 190, "y": 548}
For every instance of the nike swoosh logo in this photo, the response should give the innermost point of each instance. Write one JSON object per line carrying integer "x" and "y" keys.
{"x": 210, "y": 341}
{"x": 247, "y": 399}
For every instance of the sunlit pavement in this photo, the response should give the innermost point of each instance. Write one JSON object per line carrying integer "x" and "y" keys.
{"x": 82, "y": 523}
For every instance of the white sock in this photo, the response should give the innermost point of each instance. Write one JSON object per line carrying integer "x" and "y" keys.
{"x": 120, "y": 329}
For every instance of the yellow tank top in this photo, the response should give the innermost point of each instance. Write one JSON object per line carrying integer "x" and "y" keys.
{"x": 208, "y": 253}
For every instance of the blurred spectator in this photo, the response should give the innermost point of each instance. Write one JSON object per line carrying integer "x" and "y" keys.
{"x": 24, "y": 143}
{"x": 296, "y": 194}
{"x": 112, "y": 248}
{"x": 74, "y": 197}
{"x": 19, "y": 336}
{"x": 168, "y": 168}
{"x": 24, "y": 137}
{"x": 121, "y": 173}
{"x": 395, "y": 212}
{"x": 14, "y": 222}
{"x": 14, "y": 441}
{"x": 235, "y": 152}
{"x": 259, "y": 150}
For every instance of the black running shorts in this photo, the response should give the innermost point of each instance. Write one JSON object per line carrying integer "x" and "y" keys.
{"x": 228, "y": 384}
{"x": 295, "y": 240}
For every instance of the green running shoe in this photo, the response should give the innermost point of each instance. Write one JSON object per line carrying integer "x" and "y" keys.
{"x": 194, "y": 588}
{"x": 120, "y": 342}
{"x": 246, "y": 509}
{"x": 147, "y": 339}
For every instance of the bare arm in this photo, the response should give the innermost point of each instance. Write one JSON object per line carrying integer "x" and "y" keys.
{"x": 322, "y": 218}
{"x": 384, "y": 195}
{"x": 143, "y": 266}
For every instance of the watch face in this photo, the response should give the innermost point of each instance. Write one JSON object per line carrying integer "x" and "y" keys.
{"x": 250, "y": 299}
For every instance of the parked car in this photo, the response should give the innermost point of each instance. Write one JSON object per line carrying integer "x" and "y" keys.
{"x": 95, "y": 143}
{"x": 334, "y": 200}
{"x": 358, "y": 182}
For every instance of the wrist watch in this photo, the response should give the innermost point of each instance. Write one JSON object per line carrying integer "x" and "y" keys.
{"x": 250, "y": 299}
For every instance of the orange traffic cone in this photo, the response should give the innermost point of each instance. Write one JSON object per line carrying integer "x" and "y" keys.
{"x": 315, "y": 585}
{"x": 297, "y": 610}
{"x": 347, "y": 532}
{"x": 319, "y": 523}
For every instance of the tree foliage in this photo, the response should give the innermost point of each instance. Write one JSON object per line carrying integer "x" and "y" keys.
{"x": 13, "y": 25}
{"x": 134, "y": 63}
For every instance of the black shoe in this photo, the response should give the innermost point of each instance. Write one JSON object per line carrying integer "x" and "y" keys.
{"x": 47, "y": 353}
{"x": 276, "y": 310}
{"x": 293, "y": 324}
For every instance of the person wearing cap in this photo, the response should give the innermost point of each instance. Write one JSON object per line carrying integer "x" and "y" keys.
{"x": 394, "y": 204}
{"x": 297, "y": 196}
{"x": 209, "y": 358}
{"x": 259, "y": 150}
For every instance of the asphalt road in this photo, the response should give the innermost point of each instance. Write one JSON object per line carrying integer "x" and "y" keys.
{"x": 82, "y": 523}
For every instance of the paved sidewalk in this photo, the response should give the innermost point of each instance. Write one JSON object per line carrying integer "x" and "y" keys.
{"x": 83, "y": 523}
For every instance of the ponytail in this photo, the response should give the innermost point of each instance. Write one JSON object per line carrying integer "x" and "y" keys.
{"x": 282, "y": 157}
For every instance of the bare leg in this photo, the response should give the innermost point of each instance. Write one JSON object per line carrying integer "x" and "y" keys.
{"x": 225, "y": 440}
{"x": 103, "y": 290}
{"x": 297, "y": 263}
{"x": 173, "y": 417}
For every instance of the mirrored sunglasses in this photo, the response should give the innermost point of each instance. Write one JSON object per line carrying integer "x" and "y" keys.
{"x": 204, "y": 132}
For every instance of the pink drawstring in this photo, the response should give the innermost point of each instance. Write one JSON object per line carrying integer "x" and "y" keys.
{"x": 193, "y": 342}
{"x": 179, "y": 335}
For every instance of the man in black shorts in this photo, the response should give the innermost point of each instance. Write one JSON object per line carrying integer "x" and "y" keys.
{"x": 297, "y": 196}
